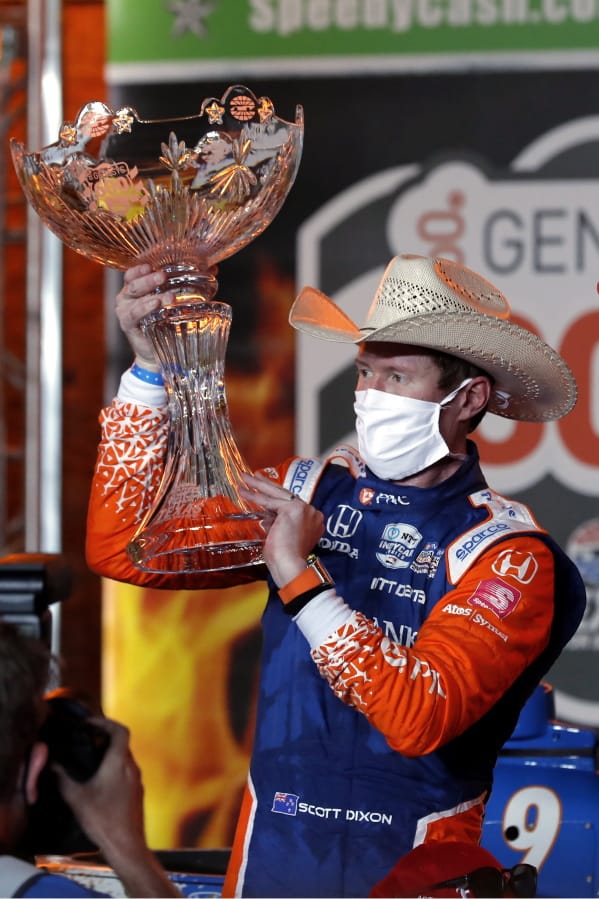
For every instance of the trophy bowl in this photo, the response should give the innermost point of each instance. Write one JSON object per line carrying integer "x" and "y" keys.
{"x": 180, "y": 194}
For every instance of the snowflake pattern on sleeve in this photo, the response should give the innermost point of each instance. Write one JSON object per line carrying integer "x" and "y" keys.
{"x": 352, "y": 657}
{"x": 131, "y": 457}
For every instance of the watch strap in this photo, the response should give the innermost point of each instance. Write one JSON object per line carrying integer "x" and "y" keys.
{"x": 314, "y": 577}
{"x": 307, "y": 580}
{"x": 296, "y": 605}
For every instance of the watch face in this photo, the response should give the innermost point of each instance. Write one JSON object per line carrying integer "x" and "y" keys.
{"x": 315, "y": 563}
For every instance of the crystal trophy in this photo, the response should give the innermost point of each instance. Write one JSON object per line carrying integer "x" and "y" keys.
{"x": 181, "y": 194}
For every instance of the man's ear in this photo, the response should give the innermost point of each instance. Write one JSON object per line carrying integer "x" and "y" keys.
{"x": 37, "y": 760}
{"x": 477, "y": 395}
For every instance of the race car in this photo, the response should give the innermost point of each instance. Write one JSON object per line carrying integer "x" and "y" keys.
{"x": 544, "y": 807}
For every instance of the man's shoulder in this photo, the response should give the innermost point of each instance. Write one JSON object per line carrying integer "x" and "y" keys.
{"x": 499, "y": 518}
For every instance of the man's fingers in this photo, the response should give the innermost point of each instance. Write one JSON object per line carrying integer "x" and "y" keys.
{"x": 265, "y": 489}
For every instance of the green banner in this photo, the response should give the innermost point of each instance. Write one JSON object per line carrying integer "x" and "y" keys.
{"x": 305, "y": 33}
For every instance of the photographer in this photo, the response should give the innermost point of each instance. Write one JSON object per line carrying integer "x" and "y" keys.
{"x": 108, "y": 806}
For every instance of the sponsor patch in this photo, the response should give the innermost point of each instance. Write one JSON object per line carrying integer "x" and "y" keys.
{"x": 425, "y": 559}
{"x": 343, "y": 522}
{"x": 435, "y": 563}
{"x": 394, "y": 588}
{"x": 478, "y": 537}
{"x": 403, "y": 635}
{"x": 522, "y": 566}
{"x": 300, "y": 472}
{"x": 366, "y": 496}
{"x": 285, "y": 803}
{"x": 339, "y": 546}
{"x": 497, "y": 596}
{"x": 482, "y": 621}
{"x": 397, "y": 545}
{"x": 452, "y": 609}
{"x": 391, "y": 499}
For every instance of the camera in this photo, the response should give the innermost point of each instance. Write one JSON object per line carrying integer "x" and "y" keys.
{"x": 73, "y": 741}
{"x": 29, "y": 584}
{"x": 78, "y": 745}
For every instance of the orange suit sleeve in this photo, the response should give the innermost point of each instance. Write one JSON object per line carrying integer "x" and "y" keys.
{"x": 127, "y": 473}
{"x": 475, "y": 643}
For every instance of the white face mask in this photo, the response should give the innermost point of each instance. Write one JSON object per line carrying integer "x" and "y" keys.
{"x": 399, "y": 436}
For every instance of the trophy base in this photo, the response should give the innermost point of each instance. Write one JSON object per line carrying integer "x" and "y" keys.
{"x": 187, "y": 547}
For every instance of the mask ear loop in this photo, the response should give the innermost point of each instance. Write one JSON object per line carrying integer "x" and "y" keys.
{"x": 451, "y": 396}
{"x": 460, "y": 457}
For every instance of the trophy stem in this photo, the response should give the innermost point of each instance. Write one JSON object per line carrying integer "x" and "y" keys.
{"x": 188, "y": 281}
{"x": 198, "y": 520}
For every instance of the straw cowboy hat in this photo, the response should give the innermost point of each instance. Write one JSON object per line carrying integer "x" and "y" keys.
{"x": 441, "y": 305}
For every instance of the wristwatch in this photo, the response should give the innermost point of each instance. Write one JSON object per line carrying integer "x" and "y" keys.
{"x": 306, "y": 585}
{"x": 313, "y": 562}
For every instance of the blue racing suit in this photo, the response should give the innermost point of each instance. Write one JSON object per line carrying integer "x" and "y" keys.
{"x": 384, "y": 702}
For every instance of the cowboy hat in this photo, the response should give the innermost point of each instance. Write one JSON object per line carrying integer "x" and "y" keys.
{"x": 442, "y": 305}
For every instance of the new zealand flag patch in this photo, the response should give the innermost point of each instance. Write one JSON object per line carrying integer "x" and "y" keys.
{"x": 285, "y": 803}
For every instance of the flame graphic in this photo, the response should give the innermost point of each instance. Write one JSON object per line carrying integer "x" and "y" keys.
{"x": 180, "y": 667}
{"x": 169, "y": 658}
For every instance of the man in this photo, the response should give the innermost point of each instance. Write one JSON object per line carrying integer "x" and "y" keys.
{"x": 396, "y": 661}
{"x": 109, "y": 806}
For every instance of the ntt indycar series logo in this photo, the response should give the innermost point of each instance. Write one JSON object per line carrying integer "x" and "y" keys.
{"x": 290, "y": 804}
{"x": 397, "y": 545}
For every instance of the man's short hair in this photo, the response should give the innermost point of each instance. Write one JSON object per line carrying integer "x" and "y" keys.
{"x": 453, "y": 371}
{"x": 25, "y": 668}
